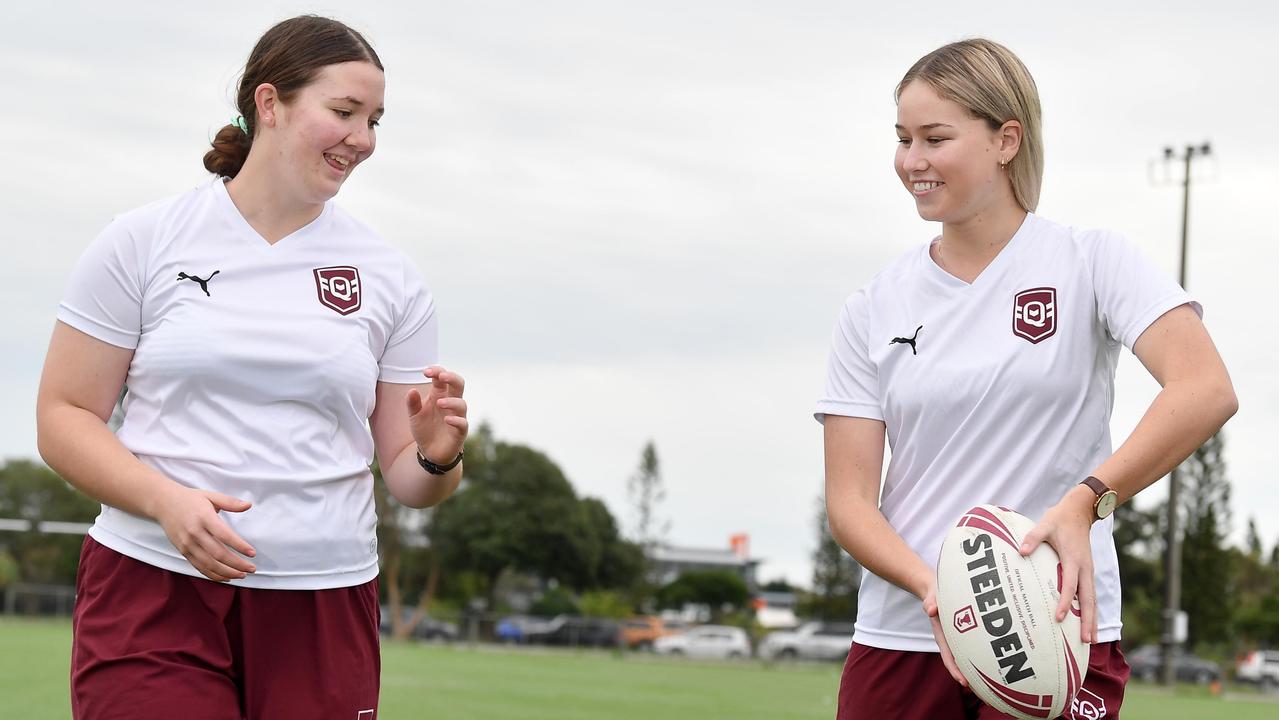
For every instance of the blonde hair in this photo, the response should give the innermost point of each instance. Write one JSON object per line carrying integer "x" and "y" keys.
{"x": 989, "y": 81}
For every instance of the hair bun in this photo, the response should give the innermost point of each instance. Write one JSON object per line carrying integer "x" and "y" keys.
{"x": 230, "y": 150}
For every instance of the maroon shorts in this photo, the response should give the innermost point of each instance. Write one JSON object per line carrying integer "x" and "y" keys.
{"x": 916, "y": 685}
{"x": 149, "y": 643}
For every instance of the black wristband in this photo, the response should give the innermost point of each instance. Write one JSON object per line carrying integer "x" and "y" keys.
{"x": 434, "y": 469}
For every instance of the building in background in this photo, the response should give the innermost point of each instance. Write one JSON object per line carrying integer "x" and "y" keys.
{"x": 670, "y": 561}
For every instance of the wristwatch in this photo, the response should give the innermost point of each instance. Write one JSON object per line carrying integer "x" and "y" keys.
{"x": 434, "y": 469}
{"x": 1106, "y": 498}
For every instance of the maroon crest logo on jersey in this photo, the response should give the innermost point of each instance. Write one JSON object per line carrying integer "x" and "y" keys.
{"x": 1035, "y": 314}
{"x": 1087, "y": 705}
{"x": 338, "y": 288}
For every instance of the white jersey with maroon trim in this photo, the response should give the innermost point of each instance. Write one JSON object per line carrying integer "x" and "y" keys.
{"x": 999, "y": 392}
{"x": 254, "y": 372}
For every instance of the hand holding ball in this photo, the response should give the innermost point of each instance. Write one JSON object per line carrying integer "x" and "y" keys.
{"x": 997, "y": 613}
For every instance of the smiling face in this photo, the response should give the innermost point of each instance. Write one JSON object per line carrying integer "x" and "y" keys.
{"x": 948, "y": 159}
{"x": 328, "y": 128}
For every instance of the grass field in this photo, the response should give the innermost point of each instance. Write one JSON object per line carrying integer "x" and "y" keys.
{"x": 463, "y": 683}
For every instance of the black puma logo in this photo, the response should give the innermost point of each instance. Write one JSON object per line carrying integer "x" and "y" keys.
{"x": 908, "y": 341}
{"x": 204, "y": 283}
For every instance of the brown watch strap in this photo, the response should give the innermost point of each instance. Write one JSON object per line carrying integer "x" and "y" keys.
{"x": 1097, "y": 486}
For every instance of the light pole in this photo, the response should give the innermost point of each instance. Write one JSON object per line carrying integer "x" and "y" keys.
{"x": 1172, "y": 557}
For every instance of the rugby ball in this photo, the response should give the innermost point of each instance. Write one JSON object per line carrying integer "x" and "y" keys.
{"x": 997, "y": 610}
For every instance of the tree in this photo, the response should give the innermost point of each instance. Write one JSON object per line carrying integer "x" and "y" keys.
{"x": 33, "y": 492}
{"x": 516, "y": 510}
{"x": 718, "y": 589}
{"x": 1253, "y": 540}
{"x": 1139, "y": 542}
{"x": 647, "y": 492}
{"x": 1207, "y": 580}
{"x": 836, "y": 575}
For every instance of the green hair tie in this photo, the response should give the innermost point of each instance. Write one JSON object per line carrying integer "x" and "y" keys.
{"x": 240, "y": 123}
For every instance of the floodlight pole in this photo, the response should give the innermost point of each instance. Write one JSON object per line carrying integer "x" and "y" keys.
{"x": 1172, "y": 556}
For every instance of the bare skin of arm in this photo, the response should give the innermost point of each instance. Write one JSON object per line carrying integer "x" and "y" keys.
{"x": 430, "y": 418}
{"x": 79, "y": 387}
{"x": 1196, "y": 400}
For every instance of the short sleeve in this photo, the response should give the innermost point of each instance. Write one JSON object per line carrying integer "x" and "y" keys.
{"x": 104, "y": 297}
{"x": 1131, "y": 292}
{"x": 413, "y": 344}
{"x": 852, "y": 380}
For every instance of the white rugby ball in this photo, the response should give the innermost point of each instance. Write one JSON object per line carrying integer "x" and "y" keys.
{"x": 998, "y": 613}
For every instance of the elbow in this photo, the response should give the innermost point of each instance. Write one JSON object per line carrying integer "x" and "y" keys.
{"x": 45, "y": 444}
{"x": 1220, "y": 402}
{"x": 1227, "y": 402}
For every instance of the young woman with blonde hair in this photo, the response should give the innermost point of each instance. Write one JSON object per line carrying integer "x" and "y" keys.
{"x": 987, "y": 356}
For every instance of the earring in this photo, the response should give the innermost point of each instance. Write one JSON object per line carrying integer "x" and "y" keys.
{"x": 1003, "y": 164}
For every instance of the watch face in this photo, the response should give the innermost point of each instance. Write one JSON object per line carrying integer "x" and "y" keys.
{"x": 1106, "y": 503}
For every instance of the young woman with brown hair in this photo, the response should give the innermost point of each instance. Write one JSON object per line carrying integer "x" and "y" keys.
{"x": 270, "y": 345}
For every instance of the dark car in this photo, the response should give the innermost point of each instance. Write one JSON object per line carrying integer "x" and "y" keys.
{"x": 1147, "y": 664}
{"x": 574, "y": 631}
{"x": 427, "y": 628}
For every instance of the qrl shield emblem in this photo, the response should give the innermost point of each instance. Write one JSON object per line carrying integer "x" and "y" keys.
{"x": 338, "y": 288}
{"x": 1087, "y": 705}
{"x": 1035, "y": 314}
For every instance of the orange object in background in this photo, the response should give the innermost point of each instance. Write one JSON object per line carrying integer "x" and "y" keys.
{"x": 639, "y": 632}
{"x": 741, "y": 545}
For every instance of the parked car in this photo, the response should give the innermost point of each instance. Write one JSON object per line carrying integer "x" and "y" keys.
{"x": 810, "y": 641}
{"x": 1261, "y": 667}
{"x": 574, "y": 631}
{"x": 640, "y": 632}
{"x": 519, "y": 628}
{"x": 1147, "y": 664}
{"x": 706, "y": 641}
{"x": 427, "y": 628}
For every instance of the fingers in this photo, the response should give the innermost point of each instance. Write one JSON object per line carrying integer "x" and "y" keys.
{"x": 930, "y": 605}
{"x": 1087, "y": 607}
{"x": 1069, "y": 586}
{"x": 226, "y": 502}
{"x": 413, "y": 400}
{"x": 453, "y": 384}
{"x": 213, "y": 558}
{"x": 1033, "y": 539}
{"x": 460, "y": 423}
{"x": 947, "y": 658}
{"x": 192, "y": 523}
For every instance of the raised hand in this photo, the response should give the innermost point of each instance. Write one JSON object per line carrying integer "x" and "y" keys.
{"x": 190, "y": 520}
{"x": 438, "y": 420}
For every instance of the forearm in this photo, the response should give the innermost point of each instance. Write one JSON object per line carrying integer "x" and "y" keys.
{"x": 412, "y": 486}
{"x": 861, "y": 529}
{"x": 79, "y": 446}
{"x": 1183, "y": 415}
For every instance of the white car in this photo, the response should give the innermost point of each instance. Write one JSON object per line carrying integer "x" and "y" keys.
{"x": 811, "y": 641}
{"x": 706, "y": 641}
{"x": 1261, "y": 667}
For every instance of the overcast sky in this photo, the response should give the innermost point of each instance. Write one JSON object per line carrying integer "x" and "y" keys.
{"x": 640, "y": 219}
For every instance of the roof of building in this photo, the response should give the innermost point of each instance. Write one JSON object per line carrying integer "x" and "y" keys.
{"x": 700, "y": 556}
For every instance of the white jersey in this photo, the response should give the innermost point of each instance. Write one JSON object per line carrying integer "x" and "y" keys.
{"x": 254, "y": 372}
{"x": 996, "y": 392}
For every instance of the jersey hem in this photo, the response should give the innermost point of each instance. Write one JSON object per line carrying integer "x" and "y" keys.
{"x": 847, "y": 409}
{"x": 155, "y": 558}
{"x": 1156, "y": 311}
{"x": 92, "y": 328}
